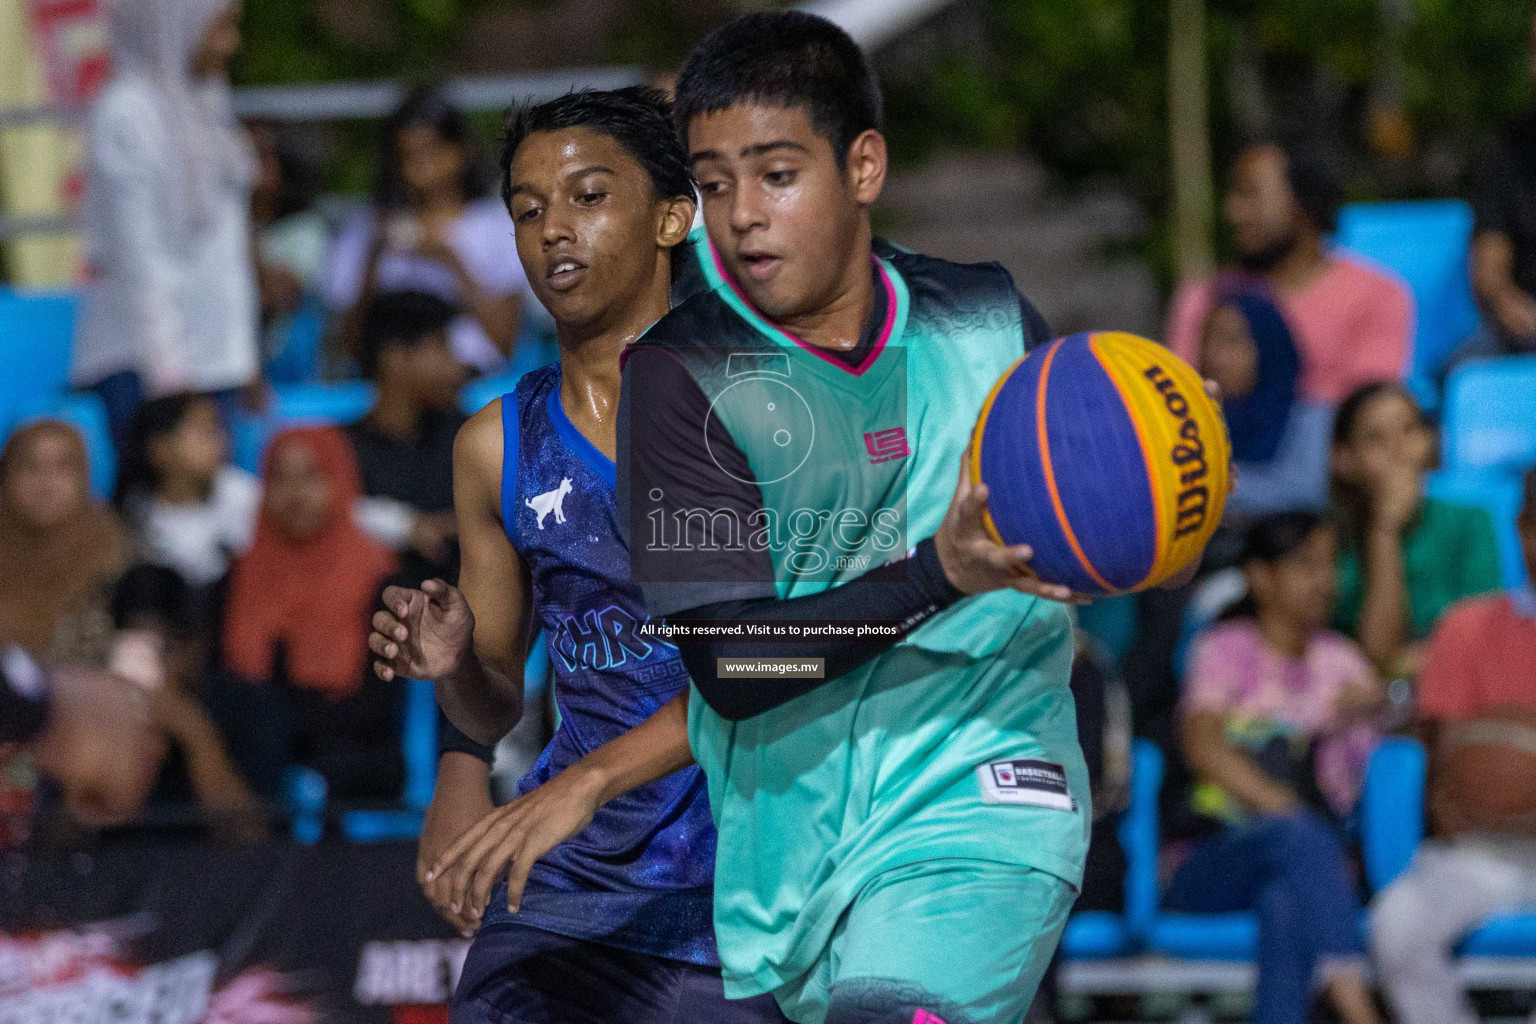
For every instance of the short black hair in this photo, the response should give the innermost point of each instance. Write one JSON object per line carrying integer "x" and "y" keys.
{"x": 399, "y": 318}
{"x": 636, "y": 117}
{"x": 1278, "y": 535}
{"x": 788, "y": 58}
{"x": 1315, "y": 177}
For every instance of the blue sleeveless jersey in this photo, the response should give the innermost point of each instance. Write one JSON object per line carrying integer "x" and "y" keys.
{"x": 639, "y": 876}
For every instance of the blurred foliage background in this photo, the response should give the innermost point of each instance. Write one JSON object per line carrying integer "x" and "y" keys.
{"x": 1402, "y": 90}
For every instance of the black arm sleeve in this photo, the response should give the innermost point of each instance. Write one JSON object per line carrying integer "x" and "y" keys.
{"x": 23, "y": 697}
{"x": 874, "y": 597}
{"x": 450, "y": 738}
{"x": 686, "y": 493}
{"x": 1036, "y": 331}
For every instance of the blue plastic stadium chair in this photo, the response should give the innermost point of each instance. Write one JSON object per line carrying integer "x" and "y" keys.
{"x": 1426, "y": 244}
{"x": 341, "y": 402}
{"x": 482, "y": 391}
{"x": 419, "y": 748}
{"x": 37, "y": 331}
{"x": 1185, "y": 936}
{"x": 1497, "y": 492}
{"x": 1392, "y": 809}
{"x": 294, "y": 405}
{"x": 1392, "y": 826}
{"x": 1489, "y": 420}
{"x": 1098, "y": 934}
{"x": 87, "y": 414}
{"x": 304, "y": 794}
{"x": 297, "y": 359}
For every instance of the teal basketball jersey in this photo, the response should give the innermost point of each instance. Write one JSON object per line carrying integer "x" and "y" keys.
{"x": 959, "y": 741}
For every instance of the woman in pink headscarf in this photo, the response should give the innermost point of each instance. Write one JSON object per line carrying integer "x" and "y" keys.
{"x": 172, "y": 300}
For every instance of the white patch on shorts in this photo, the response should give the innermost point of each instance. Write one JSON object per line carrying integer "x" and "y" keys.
{"x": 1025, "y": 781}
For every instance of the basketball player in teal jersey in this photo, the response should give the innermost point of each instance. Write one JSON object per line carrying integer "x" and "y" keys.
{"x": 901, "y": 839}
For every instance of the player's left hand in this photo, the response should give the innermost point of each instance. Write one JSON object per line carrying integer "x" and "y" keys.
{"x": 511, "y": 838}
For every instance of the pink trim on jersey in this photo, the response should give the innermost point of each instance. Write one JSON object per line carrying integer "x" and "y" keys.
{"x": 924, "y": 1017}
{"x": 875, "y": 350}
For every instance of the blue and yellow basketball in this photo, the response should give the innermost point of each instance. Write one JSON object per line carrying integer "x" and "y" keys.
{"x": 1104, "y": 453}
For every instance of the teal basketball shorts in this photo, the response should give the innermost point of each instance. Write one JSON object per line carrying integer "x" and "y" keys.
{"x": 937, "y": 942}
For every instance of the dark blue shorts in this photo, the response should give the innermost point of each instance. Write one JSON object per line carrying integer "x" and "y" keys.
{"x": 515, "y": 974}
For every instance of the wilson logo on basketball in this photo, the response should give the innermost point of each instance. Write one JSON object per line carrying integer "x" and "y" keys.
{"x": 1188, "y": 454}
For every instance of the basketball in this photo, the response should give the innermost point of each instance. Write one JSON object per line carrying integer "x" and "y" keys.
{"x": 1105, "y": 455}
{"x": 1489, "y": 766}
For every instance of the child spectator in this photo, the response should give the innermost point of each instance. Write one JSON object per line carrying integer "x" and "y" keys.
{"x": 296, "y": 630}
{"x": 1269, "y": 718}
{"x": 1480, "y": 671}
{"x": 62, "y": 553}
{"x": 1403, "y": 557}
{"x": 1279, "y": 440}
{"x": 432, "y": 229}
{"x": 404, "y": 445}
{"x": 188, "y": 507}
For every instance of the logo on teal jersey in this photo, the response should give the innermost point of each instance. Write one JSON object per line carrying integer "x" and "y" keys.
{"x": 885, "y": 445}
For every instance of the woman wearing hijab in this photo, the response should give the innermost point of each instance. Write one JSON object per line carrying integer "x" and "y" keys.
{"x": 172, "y": 301}
{"x": 61, "y": 551}
{"x": 296, "y": 629}
{"x": 1279, "y": 441}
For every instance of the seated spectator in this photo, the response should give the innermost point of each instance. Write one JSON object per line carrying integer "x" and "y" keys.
{"x": 1269, "y": 717}
{"x": 1480, "y": 671}
{"x": 62, "y": 553}
{"x": 299, "y": 690}
{"x": 432, "y": 229}
{"x": 1352, "y": 324}
{"x": 1279, "y": 442}
{"x": 187, "y": 506}
{"x": 161, "y": 647}
{"x": 404, "y": 445}
{"x": 292, "y": 238}
{"x": 1403, "y": 557}
{"x": 171, "y": 303}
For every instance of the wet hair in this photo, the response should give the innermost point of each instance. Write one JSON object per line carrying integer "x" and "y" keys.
{"x": 399, "y": 318}
{"x": 1528, "y": 494}
{"x": 151, "y": 421}
{"x": 1315, "y": 179}
{"x": 789, "y": 59}
{"x": 638, "y": 118}
{"x": 1271, "y": 539}
{"x": 426, "y": 106}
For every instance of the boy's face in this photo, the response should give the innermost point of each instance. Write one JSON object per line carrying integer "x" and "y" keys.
{"x": 783, "y": 216}
{"x": 590, "y": 229}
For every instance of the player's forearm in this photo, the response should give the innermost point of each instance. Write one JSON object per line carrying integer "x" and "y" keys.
{"x": 905, "y": 598}
{"x": 483, "y": 702}
{"x": 652, "y": 750}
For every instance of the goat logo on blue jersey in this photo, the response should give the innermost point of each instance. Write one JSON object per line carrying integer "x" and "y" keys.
{"x": 550, "y": 501}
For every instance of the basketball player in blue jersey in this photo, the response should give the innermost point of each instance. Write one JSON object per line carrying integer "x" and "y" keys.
{"x": 614, "y": 923}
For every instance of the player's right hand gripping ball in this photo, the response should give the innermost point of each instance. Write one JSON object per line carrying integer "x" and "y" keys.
{"x": 1104, "y": 453}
